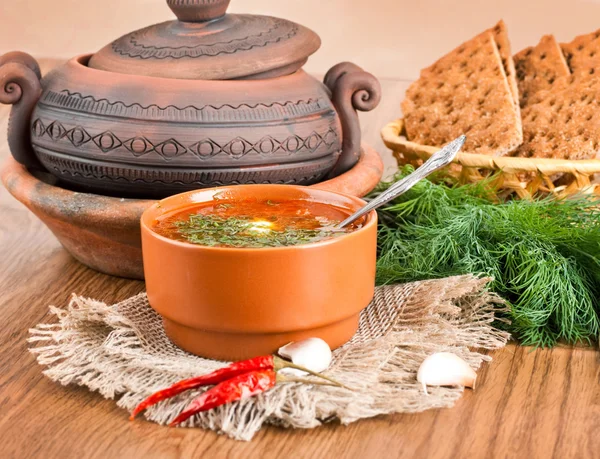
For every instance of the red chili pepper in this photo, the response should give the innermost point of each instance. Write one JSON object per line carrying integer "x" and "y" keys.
{"x": 237, "y": 388}
{"x": 238, "y": 369}
{"x": 235, "y": 369}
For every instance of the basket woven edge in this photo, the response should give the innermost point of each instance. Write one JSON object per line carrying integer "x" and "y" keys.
{"x": 393, "y": 136}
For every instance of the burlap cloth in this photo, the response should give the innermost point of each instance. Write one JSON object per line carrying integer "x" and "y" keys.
{"x": 122, "y": 352}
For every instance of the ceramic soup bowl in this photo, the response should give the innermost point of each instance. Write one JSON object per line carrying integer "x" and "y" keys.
{"x": 235, "y": 303}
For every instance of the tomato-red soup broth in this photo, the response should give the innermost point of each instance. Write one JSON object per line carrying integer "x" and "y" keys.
{"x": 254, "y": 223}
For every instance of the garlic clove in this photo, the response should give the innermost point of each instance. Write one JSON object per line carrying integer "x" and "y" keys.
{"x": 445, "y": 369}
{"x": 311, "y": 353}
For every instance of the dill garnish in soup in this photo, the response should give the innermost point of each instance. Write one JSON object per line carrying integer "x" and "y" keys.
{"x": 254, "y": 223}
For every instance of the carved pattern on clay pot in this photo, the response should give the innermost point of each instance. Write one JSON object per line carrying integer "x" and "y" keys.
{"x": 118, "y": 177}
{"x": 136, "y": 44}
{"x": 170, "y": 148}
{"x": 75, "y": 101}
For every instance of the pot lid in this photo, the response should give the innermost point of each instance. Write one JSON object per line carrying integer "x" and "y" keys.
{"x": 208, "y": 44}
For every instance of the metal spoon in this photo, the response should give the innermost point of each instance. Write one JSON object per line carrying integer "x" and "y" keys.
{"x": 436, "y": 161}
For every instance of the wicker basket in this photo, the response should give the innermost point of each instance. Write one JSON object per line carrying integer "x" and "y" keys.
{"x": 519, "y": 177}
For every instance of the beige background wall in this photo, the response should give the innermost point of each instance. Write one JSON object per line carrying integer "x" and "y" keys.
{"x": 391, "y": 38}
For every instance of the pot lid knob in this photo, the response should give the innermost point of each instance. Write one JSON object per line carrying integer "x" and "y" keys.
{"x": 198, "y": 10}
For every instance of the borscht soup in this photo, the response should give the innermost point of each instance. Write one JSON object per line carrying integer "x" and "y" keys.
{"x": 254, "y": 223}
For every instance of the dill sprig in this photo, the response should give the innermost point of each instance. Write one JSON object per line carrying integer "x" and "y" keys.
{"x": 544, "y": 255}
{"x": 242, "y": 231}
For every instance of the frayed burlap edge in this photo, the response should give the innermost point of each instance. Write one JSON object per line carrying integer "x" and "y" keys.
{"x": 122, "y": 352}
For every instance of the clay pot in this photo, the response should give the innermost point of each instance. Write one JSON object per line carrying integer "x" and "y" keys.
{"x": 235, "y": 303}
{"x": 104, "y": 232}
{"x": 101, "y": 232}
{"x": 207, "y": 100}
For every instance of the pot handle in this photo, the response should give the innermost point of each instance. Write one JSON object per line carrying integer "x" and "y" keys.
{"x": 20, "y": 86}
{"x": 351, "y": 89}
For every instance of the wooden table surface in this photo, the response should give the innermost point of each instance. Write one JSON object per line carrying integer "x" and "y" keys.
{"x": 528, "y": 403}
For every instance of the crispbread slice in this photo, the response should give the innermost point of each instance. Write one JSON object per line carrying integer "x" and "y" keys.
{"x": 563, "y": 122}
{"x": 583, "y": 53}
{"x": 501, "y": 36}
{"x": 500, "y": 33}
{"x": 465, "y": 92}
{"x": 539, "y": 67}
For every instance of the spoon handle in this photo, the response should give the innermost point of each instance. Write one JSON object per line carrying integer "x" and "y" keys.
{"x": 438, "y": 160}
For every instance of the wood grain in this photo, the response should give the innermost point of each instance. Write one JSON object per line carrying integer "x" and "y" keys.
{"x": 528, "y": 403}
